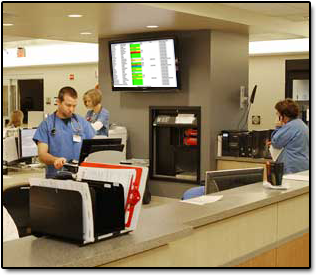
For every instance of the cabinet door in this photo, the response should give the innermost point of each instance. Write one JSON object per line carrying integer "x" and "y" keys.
{"x": 164, "y": 152}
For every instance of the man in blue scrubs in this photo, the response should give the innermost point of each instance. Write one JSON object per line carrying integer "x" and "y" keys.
{"x": 59, "y": 138}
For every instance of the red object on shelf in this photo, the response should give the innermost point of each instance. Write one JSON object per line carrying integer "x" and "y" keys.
{"x": 191, "y": 132}
{"x": 190, "y": 141}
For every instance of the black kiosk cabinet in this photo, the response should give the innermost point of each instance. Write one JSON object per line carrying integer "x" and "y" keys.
{"x": 174, "y": 141}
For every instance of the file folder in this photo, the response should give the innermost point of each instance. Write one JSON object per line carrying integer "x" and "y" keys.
{"x": 56, "y": 212}
{"x": 136, "y": 188}
{"x": 81, "y": 212}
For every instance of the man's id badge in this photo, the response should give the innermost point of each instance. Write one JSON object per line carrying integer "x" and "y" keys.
{"x": 76, "y": 138}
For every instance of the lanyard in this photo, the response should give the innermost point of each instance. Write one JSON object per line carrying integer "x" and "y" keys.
{"x": 77, "y": 130}
{"x": 96, "y": 119}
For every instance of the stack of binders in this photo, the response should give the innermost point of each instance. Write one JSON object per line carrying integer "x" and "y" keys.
{"x": 104, "y": 202}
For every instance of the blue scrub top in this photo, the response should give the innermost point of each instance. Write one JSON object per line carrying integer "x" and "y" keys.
{"x": 62, "y": 144}
{"x": 294, "y": 138}
{"x": 103, "y": 116}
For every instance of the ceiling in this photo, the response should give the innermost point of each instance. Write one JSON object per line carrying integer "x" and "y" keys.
{"x": 262, "y": 21}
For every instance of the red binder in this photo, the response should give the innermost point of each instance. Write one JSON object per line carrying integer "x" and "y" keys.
{"x": 133, "y": 196}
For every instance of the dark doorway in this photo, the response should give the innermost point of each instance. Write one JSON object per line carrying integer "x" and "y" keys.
{"x": 31, "y": 96}
{"x": 298, "y": 69}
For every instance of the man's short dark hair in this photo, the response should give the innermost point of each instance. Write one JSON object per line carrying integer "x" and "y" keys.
{"x": 67, "y": 91}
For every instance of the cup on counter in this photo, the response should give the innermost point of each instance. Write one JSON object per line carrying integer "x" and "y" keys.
{"x": 275, "y": 172}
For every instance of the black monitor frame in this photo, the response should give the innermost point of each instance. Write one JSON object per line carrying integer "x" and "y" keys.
{"x": 95, "y": 145}
{"x": 228, "y": 179}
{"x": 147, "y": 89}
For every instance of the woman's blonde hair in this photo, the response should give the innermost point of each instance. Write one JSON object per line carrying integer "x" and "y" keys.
{"x": 95, "y": 95}
{"x": 16, "y": 118}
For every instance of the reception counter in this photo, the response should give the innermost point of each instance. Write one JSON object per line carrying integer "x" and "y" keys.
{"x": 249, "y": 226}
{"x": 21, "y": 177}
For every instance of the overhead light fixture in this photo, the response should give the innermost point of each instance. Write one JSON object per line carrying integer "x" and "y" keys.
{"x": 279, "y": 46}
{"x": 74, "y": 15}
{"x": 152, "y": 27}
{"x": 7, "y": 24}
{"x": 85, "y": 33}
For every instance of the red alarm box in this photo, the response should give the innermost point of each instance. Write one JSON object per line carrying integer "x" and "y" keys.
{"x": 190, "y": 141}
{"x": 191, "y": 133}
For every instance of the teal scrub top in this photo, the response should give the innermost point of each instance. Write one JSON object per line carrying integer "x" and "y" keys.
{"x": 102, "y": 116}
{"x": 293, "y": 137}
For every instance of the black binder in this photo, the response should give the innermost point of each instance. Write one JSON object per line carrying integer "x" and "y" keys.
{"x": 58, "y": 213}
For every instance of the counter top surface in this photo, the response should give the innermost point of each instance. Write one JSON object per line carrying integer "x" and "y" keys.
{"x": 242, "y": 159}
{"x": 21, "y": 177}
{"x": 157, "y": 226}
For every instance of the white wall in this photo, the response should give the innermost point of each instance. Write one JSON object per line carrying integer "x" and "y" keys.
{"x": 56, "y": 77}
{"x": 268, "y": 72}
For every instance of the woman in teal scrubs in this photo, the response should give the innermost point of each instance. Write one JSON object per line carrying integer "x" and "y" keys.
{"x": 97, "y": 115}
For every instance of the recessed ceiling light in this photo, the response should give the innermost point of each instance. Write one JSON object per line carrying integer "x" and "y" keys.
{"x": 7, "y": 24}
{"x": 85, "y": 33}
{"x": 152, "y": 26}
{"x": 74, "y": 15}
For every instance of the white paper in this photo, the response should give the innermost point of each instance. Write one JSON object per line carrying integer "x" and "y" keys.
{"x": 275, "y": 152}
{"x": 185, "y": 118}
{"x": 267, "y": 184}
{"x": 296, "y": 177}
{"x": 201, "y": 200}
{"x": 10, "y": 231}
{"x": 9, "y": 149}
{"x": 219, "y": 145}
{"x": 122, "y": 176}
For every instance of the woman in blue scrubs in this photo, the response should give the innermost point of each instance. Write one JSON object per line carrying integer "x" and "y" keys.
{"x": 59, "y": 138}
{"x": 291, "y": 135}
{"x": 97, "y": 115}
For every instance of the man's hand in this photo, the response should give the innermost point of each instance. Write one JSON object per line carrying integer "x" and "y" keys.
{"x": 59, "y": 163}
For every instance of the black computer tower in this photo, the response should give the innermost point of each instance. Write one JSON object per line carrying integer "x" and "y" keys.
{"x": 234, "y": 143}
{"x": 225, "y": 143}
{"x": 243, "y": 147}
{"x": 249, "y": 145}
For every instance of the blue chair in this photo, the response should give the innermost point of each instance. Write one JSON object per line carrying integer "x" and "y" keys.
{"x": 193, "y": 192}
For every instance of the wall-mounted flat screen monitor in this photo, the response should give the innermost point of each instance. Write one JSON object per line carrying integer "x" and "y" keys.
{"x": 144, "y": 65}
